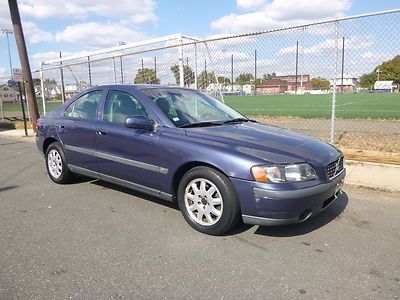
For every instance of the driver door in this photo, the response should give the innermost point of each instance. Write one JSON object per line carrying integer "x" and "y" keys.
{"x": 126, "y": 153}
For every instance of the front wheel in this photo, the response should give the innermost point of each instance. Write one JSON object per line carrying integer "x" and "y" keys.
{"x": 57, "y": 165}
{"x": 208, "y": 201}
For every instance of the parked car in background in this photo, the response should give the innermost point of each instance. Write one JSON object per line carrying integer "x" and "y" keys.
{"x": 182, "y": 145}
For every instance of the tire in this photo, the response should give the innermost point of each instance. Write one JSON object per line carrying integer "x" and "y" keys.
{"x": 56, "y": 164}
{"x": 208, "y": 201}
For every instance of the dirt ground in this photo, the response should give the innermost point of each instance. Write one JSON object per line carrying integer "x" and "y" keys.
{"x": 367, "y": 140}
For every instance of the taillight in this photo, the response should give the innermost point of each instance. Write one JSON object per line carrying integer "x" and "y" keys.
{"x": 37, "y": 125}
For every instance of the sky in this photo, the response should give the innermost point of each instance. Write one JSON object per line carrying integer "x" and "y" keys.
{"x": 73, "y": 26}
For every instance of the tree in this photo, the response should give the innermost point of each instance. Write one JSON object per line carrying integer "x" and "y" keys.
{"x": 224, "y": 80}
{"x": 244, "y": 78}
{"x": 188, "y": 74}
{"x": 368, "y": 80}
{"x": 50, "y": 81}
{"x": 205, "y": 78}
{"x": 268, "y": 76}
{"x": 36, "y": 81}
{"x": 146, "y": 75}
{"x": 319, "y": 83}
{"x": 388, "y": 70}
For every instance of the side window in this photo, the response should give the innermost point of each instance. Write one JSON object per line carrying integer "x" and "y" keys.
{"x": 121, "y": 105}
{"x": 84, "y": 107}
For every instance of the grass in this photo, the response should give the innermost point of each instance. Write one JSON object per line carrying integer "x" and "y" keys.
{"x": 17, "y": 107}
{"x": 348, "y": 106}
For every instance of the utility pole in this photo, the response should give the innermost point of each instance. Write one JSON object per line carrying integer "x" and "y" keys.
{"x": 23, "y": 57}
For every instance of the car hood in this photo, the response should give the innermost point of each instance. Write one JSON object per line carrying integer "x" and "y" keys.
{"x": 268, "y": 143}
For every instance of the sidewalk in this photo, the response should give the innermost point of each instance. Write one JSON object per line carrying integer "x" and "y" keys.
{"x": 365, "y": 174}
{"x": 18, "y": 133}
{"x": 373, "y": 175}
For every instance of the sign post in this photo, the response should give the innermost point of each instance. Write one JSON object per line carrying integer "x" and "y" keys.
{"x": 1, "y": 108}
{"x": 17, "y": 75}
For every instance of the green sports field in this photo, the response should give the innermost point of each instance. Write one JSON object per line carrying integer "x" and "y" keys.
{"x": 9, "y": 107}
{"x": 348, "y": 106}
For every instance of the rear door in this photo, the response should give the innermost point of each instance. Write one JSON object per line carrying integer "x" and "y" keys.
{"x": 126, "y": 153}
{"x": 77, "y": 128}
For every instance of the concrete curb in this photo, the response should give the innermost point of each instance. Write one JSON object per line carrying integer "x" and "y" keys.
{"x": 19, "y": 134}
{"x": 375, "y": 176}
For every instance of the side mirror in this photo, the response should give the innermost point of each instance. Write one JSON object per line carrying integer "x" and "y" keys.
{"x": 139, "y": 122}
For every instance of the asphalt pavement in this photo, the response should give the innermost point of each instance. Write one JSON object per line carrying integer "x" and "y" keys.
{"x": 93, "y": 240}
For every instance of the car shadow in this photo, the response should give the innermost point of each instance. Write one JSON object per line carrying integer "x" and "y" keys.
{"x": 105, "y": 184}
{"x": 7, "y": 188}
{"x": 314, "y": 223}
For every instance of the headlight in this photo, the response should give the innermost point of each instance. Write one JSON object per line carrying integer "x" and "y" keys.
{"x": 284, "y": 173}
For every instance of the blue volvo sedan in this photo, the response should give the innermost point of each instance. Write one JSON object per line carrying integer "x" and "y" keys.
{"x": 182, "y": 145}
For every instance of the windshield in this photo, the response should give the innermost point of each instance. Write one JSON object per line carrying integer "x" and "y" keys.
{"x": 188, "y": 107}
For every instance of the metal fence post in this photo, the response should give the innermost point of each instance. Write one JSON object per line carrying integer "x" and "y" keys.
{"x": 255, "y": 71}
{"x": 62, "y": 80}
{"x": 155, "y": 67}
{"x": 90, "y": 71}
{"x": 42, "y": 87}
{"x": 297, "y": 67}
{"x": 342, "y": 66}
{"x": 181, "y": 73}
{"x": 143, "y": 77}
{"x": 232, "y": 72}
{"x": 114, "y": 71}
{"x": 121, "y": 69}
{"x": 333, "y": 116}
{"x": 195, "y": 66}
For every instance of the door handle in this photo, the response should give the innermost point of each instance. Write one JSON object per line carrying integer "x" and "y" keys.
{"x": 101, "y": 132}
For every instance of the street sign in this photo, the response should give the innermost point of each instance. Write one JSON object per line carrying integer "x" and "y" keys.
{"x": 17, "y": 75}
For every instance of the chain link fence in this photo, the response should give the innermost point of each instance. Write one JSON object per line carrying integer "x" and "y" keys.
{"x": 337, "y": 80}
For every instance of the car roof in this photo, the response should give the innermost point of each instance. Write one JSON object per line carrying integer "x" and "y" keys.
{"x": 139, "y": 86}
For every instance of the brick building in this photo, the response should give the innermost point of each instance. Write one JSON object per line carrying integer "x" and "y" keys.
{"x": 284, "y": 84}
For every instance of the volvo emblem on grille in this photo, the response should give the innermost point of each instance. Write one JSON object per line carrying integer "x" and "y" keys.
{"x": 337, "y": 167}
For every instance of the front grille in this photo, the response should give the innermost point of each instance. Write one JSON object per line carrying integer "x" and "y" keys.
{"x": 334, "y": 168}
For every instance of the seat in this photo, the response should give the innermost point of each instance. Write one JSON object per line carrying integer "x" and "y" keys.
{"x": 89, "y": 110}
{"x": 163, "y": 104}
{"x": 124, "y": 107}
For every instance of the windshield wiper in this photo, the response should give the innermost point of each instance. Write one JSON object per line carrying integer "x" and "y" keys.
{"x": 236, "y": 120}
{"x": 200, "y": 124}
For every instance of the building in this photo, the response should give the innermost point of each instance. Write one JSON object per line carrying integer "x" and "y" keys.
{"x": 70, "y": 89}
{"x": 285, "y": 84}
{"x": 385, "y": 86}
{"x": 348, "y": 85}
{"x": 234, "y": 89}
{"x": 248, "y": 89}
{"x": 51, "y": 91}
{"x": 273, "y": 86}
{"x": 8, "y": 94}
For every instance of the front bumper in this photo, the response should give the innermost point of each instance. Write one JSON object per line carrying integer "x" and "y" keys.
{"x": 263, "y": 206}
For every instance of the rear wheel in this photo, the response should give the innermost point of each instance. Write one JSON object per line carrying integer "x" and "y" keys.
{"x": 208, "y": 201}
{"x": 56, "y": 164}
